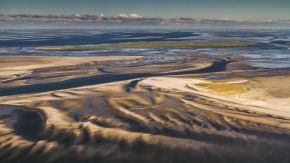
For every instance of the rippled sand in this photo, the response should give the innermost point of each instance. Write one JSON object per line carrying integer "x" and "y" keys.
{"x": 155, "y": 119}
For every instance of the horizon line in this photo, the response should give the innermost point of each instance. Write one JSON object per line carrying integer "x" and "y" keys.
{"x": 141, "y": 17}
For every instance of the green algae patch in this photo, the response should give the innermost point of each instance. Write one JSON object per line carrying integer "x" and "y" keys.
{"x": 150, "y": 44}
{"x": 223, "y": 88}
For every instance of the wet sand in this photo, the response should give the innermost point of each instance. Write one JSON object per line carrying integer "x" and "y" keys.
{"x": 26, "y": 70}
{"x": 171, "y": 114}
{"x": 12, "y": 65}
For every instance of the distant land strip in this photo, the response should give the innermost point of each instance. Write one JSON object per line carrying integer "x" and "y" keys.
{"x": 143, "y": 44}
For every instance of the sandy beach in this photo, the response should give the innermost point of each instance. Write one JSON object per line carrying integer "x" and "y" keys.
{"x": 265, "y": 94}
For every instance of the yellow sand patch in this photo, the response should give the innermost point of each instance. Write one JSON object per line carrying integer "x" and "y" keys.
{"x": 223, "y": 88}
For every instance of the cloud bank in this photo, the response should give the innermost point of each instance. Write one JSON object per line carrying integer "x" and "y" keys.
{"x": 124, "y": 19}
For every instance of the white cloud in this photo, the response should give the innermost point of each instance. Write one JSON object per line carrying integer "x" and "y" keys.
{"x": 130, "y": 16}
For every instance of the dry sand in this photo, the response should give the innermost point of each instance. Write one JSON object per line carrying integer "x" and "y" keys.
{"x": 269, "y": 95}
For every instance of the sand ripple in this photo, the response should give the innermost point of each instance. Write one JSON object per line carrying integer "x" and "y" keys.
{"x": 106, "y": 123}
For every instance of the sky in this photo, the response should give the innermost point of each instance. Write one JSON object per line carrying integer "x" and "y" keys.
{"x": 217, "y": 9}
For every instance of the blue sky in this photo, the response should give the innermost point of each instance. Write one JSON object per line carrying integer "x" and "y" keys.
{"x": 232, "y": 9}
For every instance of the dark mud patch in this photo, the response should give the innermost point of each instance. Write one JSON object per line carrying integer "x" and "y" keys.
{"x": 132, "y": 85}
{"x": 28, "y": 124}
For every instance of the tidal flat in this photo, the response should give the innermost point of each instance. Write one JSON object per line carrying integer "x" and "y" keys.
{"x": 131, "y": 106}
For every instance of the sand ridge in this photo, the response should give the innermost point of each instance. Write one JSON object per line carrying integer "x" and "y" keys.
{"x": 255, "y": 97}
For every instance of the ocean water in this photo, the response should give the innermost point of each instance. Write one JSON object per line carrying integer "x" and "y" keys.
{"x": 274, "y": 53}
